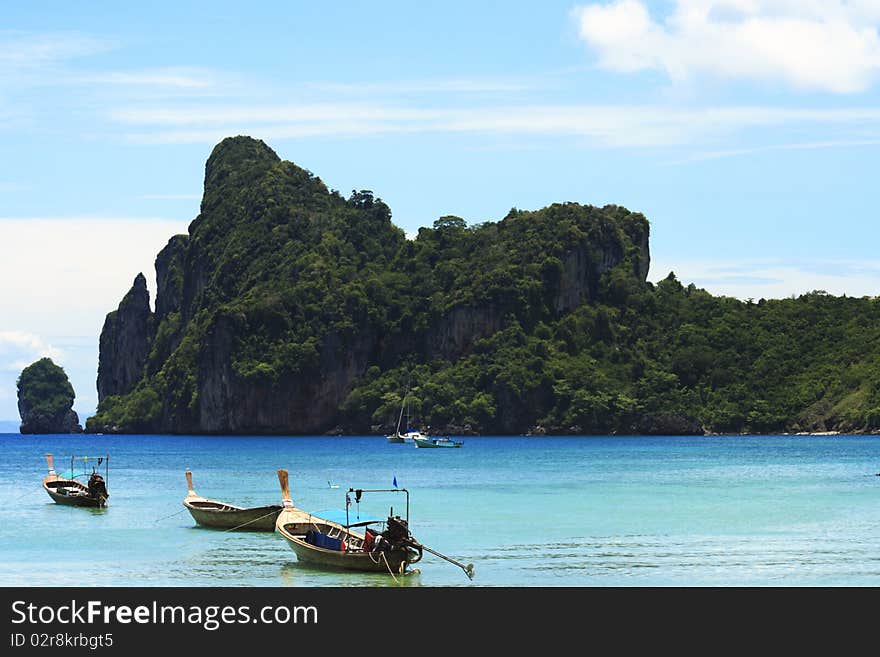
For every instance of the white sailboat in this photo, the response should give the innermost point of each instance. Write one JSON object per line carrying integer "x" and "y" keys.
{"x": 410, "y": 435}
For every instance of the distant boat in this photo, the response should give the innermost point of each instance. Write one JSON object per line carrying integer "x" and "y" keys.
{"x": 65, "y": 489}
{"x": 221, "y": 515}
{"x": 437, "y": 442}
{"x": 413, "y": 435}
{"x": 398, "y": 437}
{"x": 410, "y": 435}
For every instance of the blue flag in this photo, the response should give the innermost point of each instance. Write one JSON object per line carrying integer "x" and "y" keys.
{"x": 395, "y": 481}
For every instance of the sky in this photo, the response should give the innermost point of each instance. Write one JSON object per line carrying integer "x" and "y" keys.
{"x": 746, "y": 131}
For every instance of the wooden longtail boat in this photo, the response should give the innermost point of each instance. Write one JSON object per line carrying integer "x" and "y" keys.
{"x": 344, "y": 542}
{"x": 70, "y": 492}
{"x": 221, "y": 515}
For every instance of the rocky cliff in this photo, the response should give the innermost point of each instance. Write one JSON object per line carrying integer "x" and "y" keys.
{"x": 284, "y": 297}
{"x": 290, "y": 309}
{"x": 170, "y": 267}
{"x": 45, "y": 399}
{"x": 125, "y": 342}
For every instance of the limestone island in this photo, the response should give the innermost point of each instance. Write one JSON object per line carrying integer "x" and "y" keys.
{"x": 45, "y": 399}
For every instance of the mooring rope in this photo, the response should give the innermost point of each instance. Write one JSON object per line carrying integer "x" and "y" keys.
{"x": 388, "y": 566}
{"x": 232, "y": 529}
{"x": 172, "y": 515}
{"x": 225, "y": 530}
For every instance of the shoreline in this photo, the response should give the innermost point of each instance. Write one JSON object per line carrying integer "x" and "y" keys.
{"x": 708, "y": 434}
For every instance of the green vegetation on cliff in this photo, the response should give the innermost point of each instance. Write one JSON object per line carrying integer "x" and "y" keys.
{"x": 666, "y": 359}
{"x": 45, "y": 399}
{"x": 291, "y": 309}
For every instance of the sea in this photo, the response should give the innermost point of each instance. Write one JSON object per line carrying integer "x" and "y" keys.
{"x": 592, "y": 511}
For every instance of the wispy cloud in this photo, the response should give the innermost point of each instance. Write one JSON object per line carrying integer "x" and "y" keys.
{"x": 806, "y": 146}
{"x": 22, "y": 51}
{"x": 609, "y": 125}
{"x": 290, "y": 113}
{"x": 828, "y": 45}
{"x": 429, "y": 86}
{"x": 58, "y": 287}
{"x": 772, "y": 279}
{"x": 180, "y": 78}
{"x": 34, "y": 62}
{"x": 58, "y": 265}
{"x": 18, "y": 349}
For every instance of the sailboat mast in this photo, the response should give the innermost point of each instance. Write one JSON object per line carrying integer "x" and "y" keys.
{"x": 400, "y": 417}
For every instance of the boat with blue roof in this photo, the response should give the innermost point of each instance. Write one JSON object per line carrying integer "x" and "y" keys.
{"x": 347, "y": 539}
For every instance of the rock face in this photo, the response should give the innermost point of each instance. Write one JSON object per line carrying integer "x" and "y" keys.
{"x": 278, "y": 301}
{"x": 291, "y": 405}
{"x": 45, "y": 400}
{"x": 125, "y": 342}
{"x": 170, "y": 266}
{"x": 458, "y": 331}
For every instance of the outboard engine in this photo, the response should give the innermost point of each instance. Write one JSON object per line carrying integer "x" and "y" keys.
{"x": 399, "y": 538}
{"x": 396, "y": 531}
{"x": 97, "y": 488}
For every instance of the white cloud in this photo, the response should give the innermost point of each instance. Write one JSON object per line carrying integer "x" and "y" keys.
{"x": 68, "y": 272}
{"x": 827, "y": 45}
{"x": 435, "y": 85}
{"x": 769, "y": 279}
{"x": 804, "y": 146}
{"x": 292, "y": 113}
{"x": 31, "y": 61}
{"x": 182, "y": 78}
{"x": 608, "y": 125}
{"x": 61, "y": 276}
{"x": 18, "y": 349}
{"x": 20, "y": 51}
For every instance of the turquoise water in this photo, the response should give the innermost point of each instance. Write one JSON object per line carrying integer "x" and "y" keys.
{"x": 526, "y": 511}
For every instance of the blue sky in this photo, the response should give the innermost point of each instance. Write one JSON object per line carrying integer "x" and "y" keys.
{"x": 747, "y": 131}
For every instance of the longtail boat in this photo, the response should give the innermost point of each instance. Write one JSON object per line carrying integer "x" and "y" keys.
{"x": 222, "y": 515}
{"x": 65, "y": 489}
{"x": 343, "y": 540}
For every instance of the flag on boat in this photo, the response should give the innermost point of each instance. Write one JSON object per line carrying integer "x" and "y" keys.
{"x": 395, "y": 481}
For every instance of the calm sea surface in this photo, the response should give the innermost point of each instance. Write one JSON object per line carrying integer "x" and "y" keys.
{"x": 562, "y": 511}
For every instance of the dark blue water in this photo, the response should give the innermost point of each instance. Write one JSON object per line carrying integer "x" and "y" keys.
{"x": 560, "y": 511}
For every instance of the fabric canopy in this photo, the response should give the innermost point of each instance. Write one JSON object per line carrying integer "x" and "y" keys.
{"x": 354, "y": 518}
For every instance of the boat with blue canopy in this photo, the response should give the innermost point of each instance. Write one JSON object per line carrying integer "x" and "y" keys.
{"x": 346, "y": 519}
{"x": 347, "y": 539}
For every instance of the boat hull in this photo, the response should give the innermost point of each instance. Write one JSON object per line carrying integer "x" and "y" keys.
{"x": 335, "y": 546}
{"x": 436, "y": 444}
{"x": 394, "y": 562}
{"x": 78, "y": 494}
{"x": 217, "y": 515}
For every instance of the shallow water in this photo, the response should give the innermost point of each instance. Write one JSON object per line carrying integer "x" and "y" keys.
{"x": 526, "y": 511}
